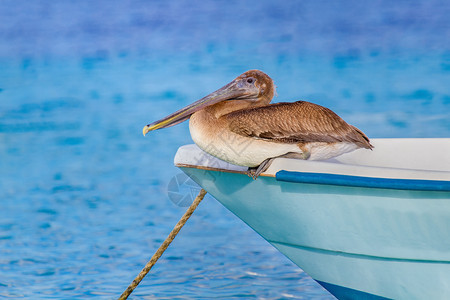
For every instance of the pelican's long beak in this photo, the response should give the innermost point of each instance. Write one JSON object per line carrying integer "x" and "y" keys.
{"x": 233, "y": 90}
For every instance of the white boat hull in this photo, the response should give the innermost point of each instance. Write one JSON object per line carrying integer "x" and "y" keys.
{"x": 373, "y": 238}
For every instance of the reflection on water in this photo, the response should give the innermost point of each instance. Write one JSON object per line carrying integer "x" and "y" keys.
{"x": 83, "y": 196}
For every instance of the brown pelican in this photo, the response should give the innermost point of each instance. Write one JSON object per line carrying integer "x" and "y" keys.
{"x": 238, "y": 124}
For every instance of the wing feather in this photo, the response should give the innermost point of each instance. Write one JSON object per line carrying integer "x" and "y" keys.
{"x": 295, "y": 122}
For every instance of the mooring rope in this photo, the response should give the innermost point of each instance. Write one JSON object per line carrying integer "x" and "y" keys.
{"x": 164, "y": 245}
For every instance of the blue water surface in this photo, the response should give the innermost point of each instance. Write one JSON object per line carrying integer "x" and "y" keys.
{"x": 83, "y": 195}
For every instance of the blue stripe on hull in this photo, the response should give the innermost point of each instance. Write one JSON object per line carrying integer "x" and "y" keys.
{"x": 369, "y": 182}
{"x": 343, "y": 293}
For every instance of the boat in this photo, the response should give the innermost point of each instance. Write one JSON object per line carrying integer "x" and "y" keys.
{"x": 364, "y": 225}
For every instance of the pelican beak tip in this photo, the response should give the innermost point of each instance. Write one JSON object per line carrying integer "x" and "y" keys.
{"x": 145, "y": 130}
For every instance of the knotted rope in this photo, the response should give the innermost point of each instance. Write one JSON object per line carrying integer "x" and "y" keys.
{"x": 164, "y": 245}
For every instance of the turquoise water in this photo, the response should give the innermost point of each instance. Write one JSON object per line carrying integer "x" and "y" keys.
{"x": 83, "y": 195}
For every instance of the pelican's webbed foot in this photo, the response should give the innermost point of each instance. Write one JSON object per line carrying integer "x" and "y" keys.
{"x": 254, "y": 172}
{"x": 251, "y": 172}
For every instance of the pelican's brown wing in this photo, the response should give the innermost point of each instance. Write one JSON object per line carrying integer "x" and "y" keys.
{"x": 297, "y": 122}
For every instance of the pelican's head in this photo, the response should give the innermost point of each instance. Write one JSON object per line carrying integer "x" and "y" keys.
{"x": 254, "y": 86}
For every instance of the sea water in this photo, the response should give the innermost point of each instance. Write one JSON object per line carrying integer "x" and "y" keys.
{"x": 85, "y": 199}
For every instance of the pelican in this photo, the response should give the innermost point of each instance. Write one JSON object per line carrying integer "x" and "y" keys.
{"x": 238, "y": 124}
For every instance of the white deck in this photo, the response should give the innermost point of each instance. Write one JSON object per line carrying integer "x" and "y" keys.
{"x": 426, "y": 159}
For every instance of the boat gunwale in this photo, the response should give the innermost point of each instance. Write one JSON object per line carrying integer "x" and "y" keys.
{"x": 343, "y": 180}
{"x": 178, "y": 165}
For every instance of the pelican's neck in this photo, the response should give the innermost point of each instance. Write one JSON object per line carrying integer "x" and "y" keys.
{"x": 226, "y": 107}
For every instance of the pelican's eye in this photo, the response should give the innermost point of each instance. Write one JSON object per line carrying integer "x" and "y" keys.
{"x": 250, "y": 80}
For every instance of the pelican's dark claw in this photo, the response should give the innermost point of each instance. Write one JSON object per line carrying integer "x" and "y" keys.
{"x": 256, "y": 171}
